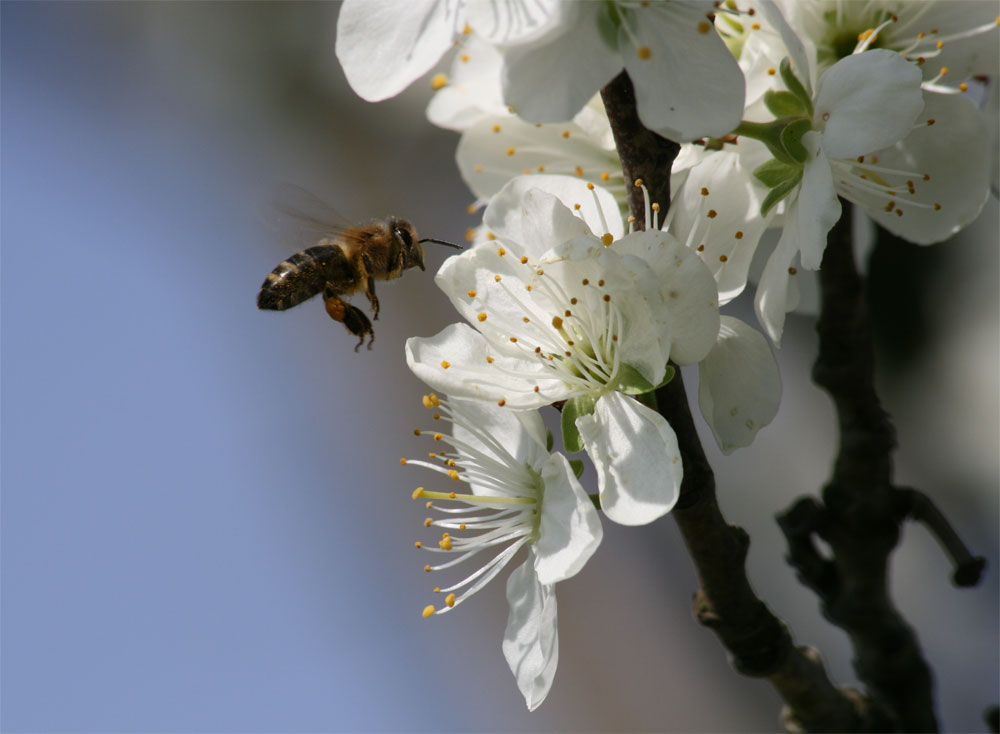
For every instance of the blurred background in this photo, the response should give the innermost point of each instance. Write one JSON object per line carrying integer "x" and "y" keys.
{"x": 205, "y": 525}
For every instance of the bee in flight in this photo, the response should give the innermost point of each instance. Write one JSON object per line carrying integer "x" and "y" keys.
{"x": 346, "y": 260}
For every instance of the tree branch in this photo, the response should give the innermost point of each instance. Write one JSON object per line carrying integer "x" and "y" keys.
{"x": 758, "y": 641}
{"x": 861, "y": 512}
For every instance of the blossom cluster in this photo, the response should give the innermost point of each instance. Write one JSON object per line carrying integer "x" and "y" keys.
{"x": 784, "y": 107}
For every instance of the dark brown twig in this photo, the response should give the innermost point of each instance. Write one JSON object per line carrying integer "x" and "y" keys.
{"x": 758, "y": 641}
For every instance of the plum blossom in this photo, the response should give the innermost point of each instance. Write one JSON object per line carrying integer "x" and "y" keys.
{"x": 560, "y": 314}
{"x": 556, "y": 56}
{"x": 863, "y": 130}
{"x": 519, "y": 496}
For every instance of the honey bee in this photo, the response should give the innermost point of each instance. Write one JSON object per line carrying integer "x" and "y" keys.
{"x": 346, "y": 260}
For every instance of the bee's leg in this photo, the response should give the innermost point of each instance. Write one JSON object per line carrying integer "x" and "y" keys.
{"x": 370, "y": 285}
{"x": 352, "y": 317}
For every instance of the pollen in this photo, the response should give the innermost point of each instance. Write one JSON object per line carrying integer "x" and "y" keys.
{"x": 439, "y": 81}
{"x": 470, "y": 234}
{"x": 701, "y": 247}
{"x": 638, "y": 183}
{"x": 738, "y": 235}
{"x": 417, "y": 493}
{"x": 576, "y": 207}
{"x": 427, "y": 568}
{"x": 704, "y": 27}
{"x": 477, "y": 168}
{"x": 501, "y": 252}
{"x": 607, "y": 297}
{"x": 605, "y": 175}
{"x": 471, "y": 293}
{"x": 428, "y": 522}
{"x": 491, "y": 236}
{"x": 964, "y": 87}
{"x": 513, "y": 340}
{"x": 607, "y": 239}
{"x": 445, "y": 543}
{"x": 416, "y": 431}
{"x": 565, "y": 133}
{"x": 481, "y": 316}
{"x": 755, "y": 26}
{"x": 402, "y": 462}
{"x": 723, "y": 258}
{"x": 467, "y": 29}
{"x": 772, "y": 71}
{"x": 453, "y": 475}
{"x": 471, "y": 209}
{"x": 578, "y": 171}
{"x": 461, "y": 526}
{"x": 497, "y": 278}
{"x": 712, "y": 214}
{"x": 541, "y": 168}
{"x": 450, "y": 600}
{"x": 590, "y": 186}
{"x": 428, "y": 610}
{"x": 704, "y": 191}
{"x": 489, "y": 359}
{"x": 445, "y": 364}
{"x": 418, "y": 544}
{"x": 438, "y": 436}
{"x": 524, "y": 259}
{"x": 501, "y": 402}
{"x": 510, "y": 151}
{"x": 557, "y": 322}
{"x": 643, "y": 52}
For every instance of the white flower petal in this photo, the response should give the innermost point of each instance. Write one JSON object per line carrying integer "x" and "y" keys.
{"x": 570, "y": 528}
{"x": 534, "y": 220}
{"x": 469, "y": 375}
{"x": 552, "y": 81}
{"x": 728, "y": 240}
{"x": 637, "y": 459}
{"x": 384, "y": 46}
{"x": 512, "y": 22}
{"x": 473, "y": 90}
{"x": 951, "y": 152}
{"x": 687, "y": 83}
{"x": 531, "y": 640}
{"x": 773, "y": 297}
{"x": 867, "y": 101}
{"x": 520, "y": 432}
{"x": 818, "y": 208}
{"x": 794, "y": 47}
{"x": 739, "y": 386}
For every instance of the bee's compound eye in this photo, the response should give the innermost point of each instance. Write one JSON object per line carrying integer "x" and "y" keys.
{"x": 404, "y": 236}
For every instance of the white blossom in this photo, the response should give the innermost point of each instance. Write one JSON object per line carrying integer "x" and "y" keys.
{"x": 520, "y": 497}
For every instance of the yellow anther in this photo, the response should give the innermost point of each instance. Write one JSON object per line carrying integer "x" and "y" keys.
{"x": 704, "y": 191}
{"x": 607, "y": 239}
{"x": 427, "y": 401}
{"x": 772, "y": 71}
{"x": 964, "y": 87}
{"x": 738, "y": 235}
{"x": 524, "y": 259}
{"x": 453, "y": 475}
{"x": 712, "y": 214}
{"x": 477, "y": 168}
{"x": 576, "y": 207}
{"x": 565, "y": 133}
{"x": 511, "y": 151}
{"x": 481, "y": 316}
{"x": 471, "y": 293}
{"x": 578, "y": 171}
{"x": 541, "y": 168}
{"x": 605, "y": 176}
{"x": 490, "y": 236}
{"x": 638, "y": 182}
{"x": 438, "y": 436}
{"x": 704, "y": 27}
{"x": 590, "y": 186}
{"x": 461, "y": 526}
{"x": 723, "y": 258}
{"x": 445, "y": 363}
{"x": 439, "y": 81}
{"x": 501, "y": 252}
{"x": 754, "y": 26}
{"x": 557, "y": 322}
{"x": 445, "y": 543}
{"x": 403, "y": 462}
{"x": 417, "y": 493}
{"x": 644, "y": 53}
{"x": 502, "y": 402}
{"x": 427, "y": 568}
{"x": 428, "y": 611}
{"x": 418, "y": 544}
{"x": 497, "y": 278}
{"x": 416, "y": 431}
{"x": 792, "y": 271}
{"x": 489, "y": 359}
{"x": 450, "y": 600}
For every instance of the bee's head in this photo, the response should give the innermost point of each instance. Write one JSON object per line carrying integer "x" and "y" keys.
{"x": 413, "y": 253}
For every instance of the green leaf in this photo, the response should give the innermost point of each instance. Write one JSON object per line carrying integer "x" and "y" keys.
{"x": 577, "y": 466}
{"x": 631, "y": 382}
{"x": 769, "y": 133}
{"x": 549, "y": 441}
{"x": 791, "y": 139}
{"x": 778, "y": 193}
{"x": 573, "y": 409}
{"x": 784, "y": 104}
{"x": 795, "y": 86}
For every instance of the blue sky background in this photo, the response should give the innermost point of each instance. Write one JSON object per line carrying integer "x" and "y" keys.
{"x": 205, "y": 526}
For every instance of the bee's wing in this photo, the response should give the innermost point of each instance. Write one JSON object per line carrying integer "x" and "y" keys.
{"x": 299, "y": 218}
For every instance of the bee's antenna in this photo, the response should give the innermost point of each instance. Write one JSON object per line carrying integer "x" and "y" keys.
{"x": 441, "y": 242}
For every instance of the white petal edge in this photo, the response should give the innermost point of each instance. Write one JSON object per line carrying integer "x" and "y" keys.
{"x": 637, "y": 459}
{"x": 531, "y": 639}
{"x": 739, "y": 386}
{"x": 570, "y": 527}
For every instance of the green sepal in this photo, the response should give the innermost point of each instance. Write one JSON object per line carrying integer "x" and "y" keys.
{"x": 549, "y": 441}
{"x": 596, "y": 499}
{"x": 573, "y": 409}
{"x": 795, "y": 86}
{"x": 791, "y": 139}
{"x": 784, "y": 104}
{"x": 779, "y": 192}
{"x": 668, "y": 375}
{"x": 769, "y": 133}
{"x": 648, "y": 399}
{"x": 774, "y": 173}
{"x": 577, "y": 466}
{"x": 631, "y": 382}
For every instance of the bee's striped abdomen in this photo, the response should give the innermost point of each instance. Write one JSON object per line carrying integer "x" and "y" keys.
{"x": 303, "y": 275}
